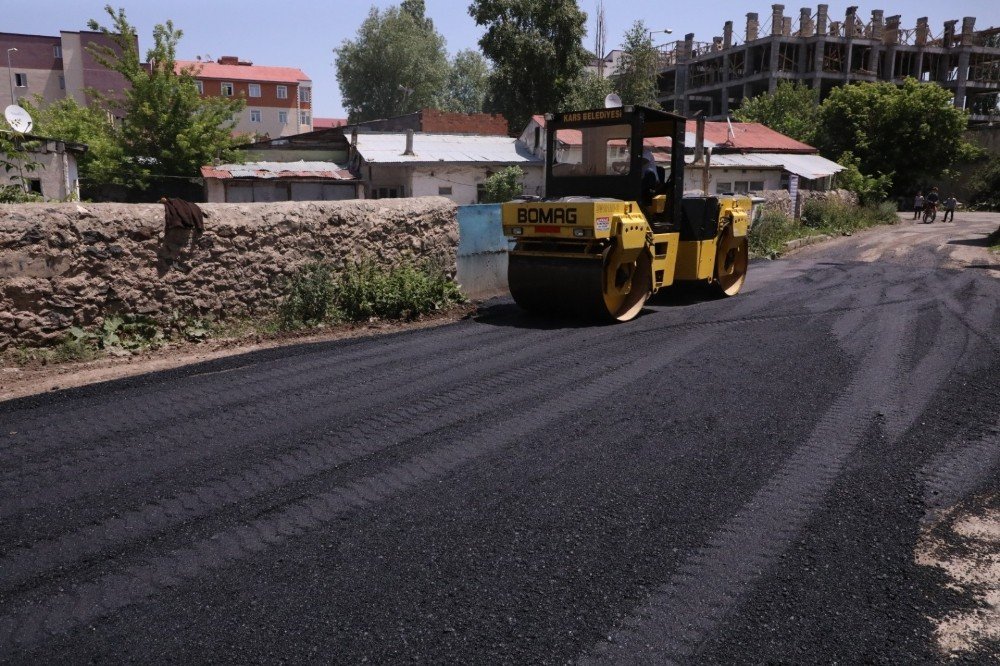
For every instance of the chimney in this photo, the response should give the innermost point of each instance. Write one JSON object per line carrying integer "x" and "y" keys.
{"x": 923, "y": 30}
{"x": 409, "y": 142}
{"x": 753, "y": 25}
{"x": 777, "y": 19}
{"x": 806, "y": 27}
{"x": 786, "y": 26}
{"x": 229, "y": 60}
{"x": 822, "y": 19}
{"x": 727, "y": 35}
{"x": 968, "y": 29}
{"x": 851, "y": 23}
{"x": 878, "y": 24}
{"x": 892, "y": 30}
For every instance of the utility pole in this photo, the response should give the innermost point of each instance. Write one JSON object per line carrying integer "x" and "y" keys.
{"x": 601, "y": 41}
{"x": 10, "y": 77}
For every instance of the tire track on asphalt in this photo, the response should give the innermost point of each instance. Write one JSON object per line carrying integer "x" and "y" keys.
{"x": 671, "y": 624}
{"x": 200, "y": 398}
{"x": 167, "y": 450}
{"x": 90, "y": 601}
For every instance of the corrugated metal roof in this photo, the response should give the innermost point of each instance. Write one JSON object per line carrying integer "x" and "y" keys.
{"x": 806, "y": 166}
{"x": 388, "y": 148}
{"x": 751, "y": 137}
{"x": 269, "y": 170}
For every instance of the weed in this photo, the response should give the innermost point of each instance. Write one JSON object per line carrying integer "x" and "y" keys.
{"x": 836, "y": 218}
{"x": 769, "y": 234}
{"x": 406, "y": 291}
{"x": 309, "y": 297}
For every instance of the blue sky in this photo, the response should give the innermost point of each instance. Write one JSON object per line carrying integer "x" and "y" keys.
{"x": 303, "y": 34}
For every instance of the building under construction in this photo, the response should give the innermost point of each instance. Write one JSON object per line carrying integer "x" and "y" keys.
{"x": 714, "y": 78}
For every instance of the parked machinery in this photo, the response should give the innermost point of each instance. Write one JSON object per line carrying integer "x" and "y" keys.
{"x": 609, "y": 235}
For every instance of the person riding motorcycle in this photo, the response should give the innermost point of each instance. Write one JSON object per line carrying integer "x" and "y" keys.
{"x": 930, "y": 205}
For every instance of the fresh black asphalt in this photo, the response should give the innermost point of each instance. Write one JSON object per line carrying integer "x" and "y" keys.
{"x": 718, "y": 481}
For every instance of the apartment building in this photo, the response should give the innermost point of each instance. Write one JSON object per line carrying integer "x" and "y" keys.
{"x": 278, "y": 99}
{"x": 55, "y": 67}
{"x": 714, "y": 78}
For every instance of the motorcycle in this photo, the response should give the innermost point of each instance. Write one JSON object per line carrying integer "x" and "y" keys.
{"x": 930, "y": 212}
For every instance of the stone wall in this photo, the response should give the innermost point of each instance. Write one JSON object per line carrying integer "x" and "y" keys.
{"x": 73, "y": 264}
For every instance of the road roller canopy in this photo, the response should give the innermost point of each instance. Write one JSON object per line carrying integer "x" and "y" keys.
{"x": 599, "y": 152}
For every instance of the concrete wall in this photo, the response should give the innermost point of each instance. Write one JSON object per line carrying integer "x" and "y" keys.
{"x": 482, "y": 251}
{"x": 69, "y": 264}
{"x": 56, "y": 170}
{"x": 464, "y": 181}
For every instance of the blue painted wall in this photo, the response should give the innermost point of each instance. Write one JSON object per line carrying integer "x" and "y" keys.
{"x": 482, "y": 251}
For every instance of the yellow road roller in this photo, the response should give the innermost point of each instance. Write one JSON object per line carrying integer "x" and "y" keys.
{"x": 615, "y": 227}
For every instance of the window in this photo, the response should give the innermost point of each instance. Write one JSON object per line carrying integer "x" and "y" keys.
{"x": 57, "y": 50}
{"x": 387, "y": 192}
{"x": 282, "y": 92}
{"x": 226, "y": 89}
{"x": 745, "y": 186}
{"x": 200, "y": 86}
{"x": 304, "y": 118}
{"x": 254, "y": 90}
{"x": 35, "y": 185}
{"x": 444, "y": 191}
{"x": 21, "y": 80}
{"x": 282, "y": 117}
{"x": 62, "y": 83}
{"x": 255, "y": 115}
{"x": 480, "y": 193}
{"x": 305, "y": 94}
{"x": 721, "y": 188}
{"x": 604, "y": 152}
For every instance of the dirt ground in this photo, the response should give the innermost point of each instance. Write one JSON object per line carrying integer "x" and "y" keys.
{"x": 966, "y": 249}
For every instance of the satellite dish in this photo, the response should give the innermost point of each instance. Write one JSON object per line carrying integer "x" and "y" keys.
{"x": 612, "y": 101}
{"x": 18, "y": 119}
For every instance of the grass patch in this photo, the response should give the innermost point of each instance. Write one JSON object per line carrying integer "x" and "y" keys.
{"x": 993, "y": 240}
{"x": 769, "y": 234}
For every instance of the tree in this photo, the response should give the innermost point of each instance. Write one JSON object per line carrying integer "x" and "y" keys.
{"x": 15, "y": 160}
{"x": 635, "y": 77}
{"x": 588, "y": 91}
{"x": 912, "y": 130}
{"x": 536, "y": 50}
{"x": 169, "y": 129}
{"x": 396, "y": 64}
{"x": 869, "y": 189}
{"x": 66, "y": 120}
{"x": 467, "y": 83}
{"x": 792, "y": 109}
{"x": 504, "y": 185}
{"x": 985, "y": 185}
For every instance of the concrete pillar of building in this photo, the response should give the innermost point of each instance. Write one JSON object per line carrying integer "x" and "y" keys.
{"x": 725, "y": 81}
{"x": 822, "y": 19}
{"x": 727, "y": 35}
{"x": 777, "y": 19}
{"x": 962, "y": 84}
{"x": 753, "y": 26}
{"x": 851, "y": 23}
{"x": 688, "y": 45}
{"x": 878, "y": 24}
{"x": 968, "y": 29}
{"x": 892, "y": 30}
{"x": 806, "y": 27}
{"x": 949, "y": 33}
{"x": 923, "y": 30}
{"x": 835, "y": 28}
{"x": 786, "y": 26}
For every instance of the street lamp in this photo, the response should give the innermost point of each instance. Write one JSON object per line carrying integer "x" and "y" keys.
{"x": 10, "y": 76}
{"x": 665, "y": 31}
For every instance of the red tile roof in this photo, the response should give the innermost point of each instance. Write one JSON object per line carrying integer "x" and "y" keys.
{"x": 213, "y": 70}
{"x": 327, "y": 123}
{"x": 747, "y": 137}
{"x": 753, "y": 137}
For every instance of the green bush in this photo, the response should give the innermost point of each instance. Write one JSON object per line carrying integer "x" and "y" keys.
{"x": 504, "y": 185}
{"x": 367, "y": 291}
{"x": 769, "y": 234}
{"x": 309, "y": 297}
{"x": 836, "y": 217}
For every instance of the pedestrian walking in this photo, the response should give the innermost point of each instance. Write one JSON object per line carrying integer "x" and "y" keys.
{"x": 950, "y": 204}
{"x": 918, "y": 205}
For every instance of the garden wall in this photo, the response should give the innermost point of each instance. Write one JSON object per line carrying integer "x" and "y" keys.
{"x": 73, "y": 264}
